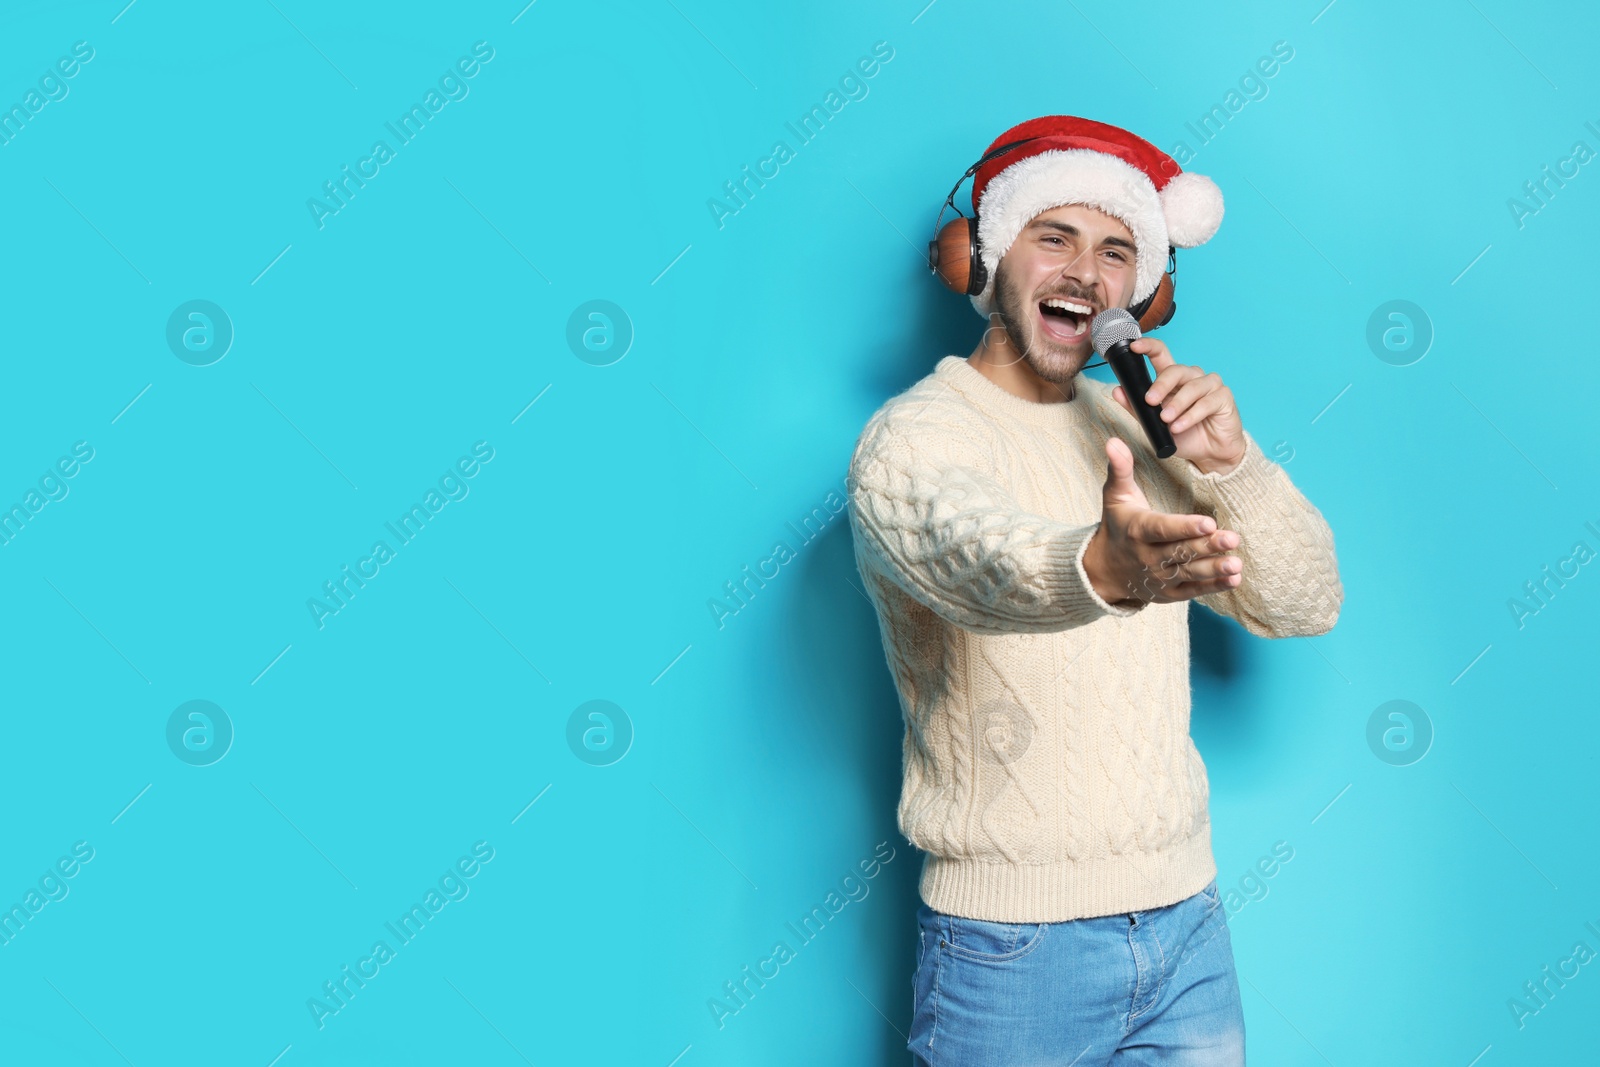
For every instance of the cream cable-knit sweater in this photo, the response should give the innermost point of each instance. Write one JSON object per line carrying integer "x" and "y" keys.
{"x": 1048, "y": 770}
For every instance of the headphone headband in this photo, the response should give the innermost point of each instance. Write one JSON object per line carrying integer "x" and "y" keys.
{"x": 950, "y": 201}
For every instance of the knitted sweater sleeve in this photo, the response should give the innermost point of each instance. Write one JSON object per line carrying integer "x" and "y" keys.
{"x": 944, "y": 531}
{"x": 1291, "y": 584}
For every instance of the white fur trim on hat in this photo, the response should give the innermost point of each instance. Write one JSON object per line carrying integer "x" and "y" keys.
{"x": 1193, "y": 206}
{"x": 1015, "y": 196}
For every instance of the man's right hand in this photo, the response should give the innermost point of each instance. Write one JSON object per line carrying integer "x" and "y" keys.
{"x": 1140, "y": 554}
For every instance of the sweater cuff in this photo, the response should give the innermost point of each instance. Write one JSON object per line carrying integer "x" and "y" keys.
{"x": 1246, "y": 489}
{"x": 1067, "y": 582}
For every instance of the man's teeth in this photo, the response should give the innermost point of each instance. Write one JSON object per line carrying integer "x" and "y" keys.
{"x": 1068, "y": 305}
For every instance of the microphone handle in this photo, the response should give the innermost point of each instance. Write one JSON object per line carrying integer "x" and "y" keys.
{"x": 1134, "y": 374}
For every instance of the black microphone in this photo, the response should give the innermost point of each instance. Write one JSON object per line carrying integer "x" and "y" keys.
{"x": 1111, "y": 332}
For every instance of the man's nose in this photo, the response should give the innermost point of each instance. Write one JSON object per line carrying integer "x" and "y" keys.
{"x": 1083, "y": 268}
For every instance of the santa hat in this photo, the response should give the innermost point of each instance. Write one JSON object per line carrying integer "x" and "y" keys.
{"x": 1069, "y": 160}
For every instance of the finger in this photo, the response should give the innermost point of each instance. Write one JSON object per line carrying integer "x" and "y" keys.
{"x": 1207, "y": 568}
{"x": 1120, "y": 486}
{"x": 1184, "y": 583}
{"x": 1155, "y": 527}
{"x": 1216, "y": 543}
{"x": 1119, "y": 464}
{"x": 1190, "y": 590}
{"x": 1191, "y": 389}
{"x": 1220, "y": 584}
{"x": 1183, "y": 405}
{"x": 1169, "y": 380}
{"x": 1117, "y": 395}
{"x": 1201, "y": 410}
{"x": 1160, "y": 358}
{"x": 1168, "y": 573}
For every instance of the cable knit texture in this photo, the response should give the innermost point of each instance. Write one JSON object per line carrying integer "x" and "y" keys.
{"x": 1048, "y": 769}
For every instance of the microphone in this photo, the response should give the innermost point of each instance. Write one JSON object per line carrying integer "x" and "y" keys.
{"x": 1111, "y": 332}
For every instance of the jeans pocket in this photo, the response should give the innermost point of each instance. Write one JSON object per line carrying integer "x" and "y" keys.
{"x": 990, "y": 942}
{"x": 1211, "y": 898}
{"x": 925, "y": 984}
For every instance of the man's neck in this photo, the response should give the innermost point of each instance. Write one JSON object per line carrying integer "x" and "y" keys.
{"x": 1002, "y": 365}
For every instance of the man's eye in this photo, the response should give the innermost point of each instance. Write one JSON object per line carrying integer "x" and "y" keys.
{"x": 1054, "y": 238}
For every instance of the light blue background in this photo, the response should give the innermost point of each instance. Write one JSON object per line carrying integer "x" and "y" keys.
{"x": 428, "y": 714}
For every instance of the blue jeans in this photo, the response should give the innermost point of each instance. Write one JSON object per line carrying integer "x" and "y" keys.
{"x": 1146, "y": 987}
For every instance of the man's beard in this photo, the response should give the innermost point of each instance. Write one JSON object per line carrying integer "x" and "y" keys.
{"x": 1056, "y": 363}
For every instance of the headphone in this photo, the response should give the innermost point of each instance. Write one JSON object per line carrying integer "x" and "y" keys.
{"x": 955, "y": 256}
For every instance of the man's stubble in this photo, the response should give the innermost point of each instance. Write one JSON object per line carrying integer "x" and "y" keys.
{"x": 1054, "y": 363}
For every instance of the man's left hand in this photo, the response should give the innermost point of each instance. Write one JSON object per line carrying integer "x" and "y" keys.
{"x": 1197, "y": 408}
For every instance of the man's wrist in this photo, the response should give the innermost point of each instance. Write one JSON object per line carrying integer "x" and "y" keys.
{"x": 1220, "y": 469}
{"x": 1093, "y": 566}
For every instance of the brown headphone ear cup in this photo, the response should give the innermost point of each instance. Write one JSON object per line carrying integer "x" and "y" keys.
{"x": 952, "y": 255}
{"x": 1159, "y": 306}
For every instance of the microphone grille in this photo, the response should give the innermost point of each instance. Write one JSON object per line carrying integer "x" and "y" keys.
{"x": 1110, "y": 326}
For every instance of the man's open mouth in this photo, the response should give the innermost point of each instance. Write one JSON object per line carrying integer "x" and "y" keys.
{"x": 1065, "y": 320}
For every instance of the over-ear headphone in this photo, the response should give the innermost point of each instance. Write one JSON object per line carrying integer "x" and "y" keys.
{"x": 955, "y": 256}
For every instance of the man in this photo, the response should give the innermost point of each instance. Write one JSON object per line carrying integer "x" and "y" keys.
{"x": 1032, "y": 564}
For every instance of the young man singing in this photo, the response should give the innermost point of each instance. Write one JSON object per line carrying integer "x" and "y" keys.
{"x": 1032, "y": 562}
